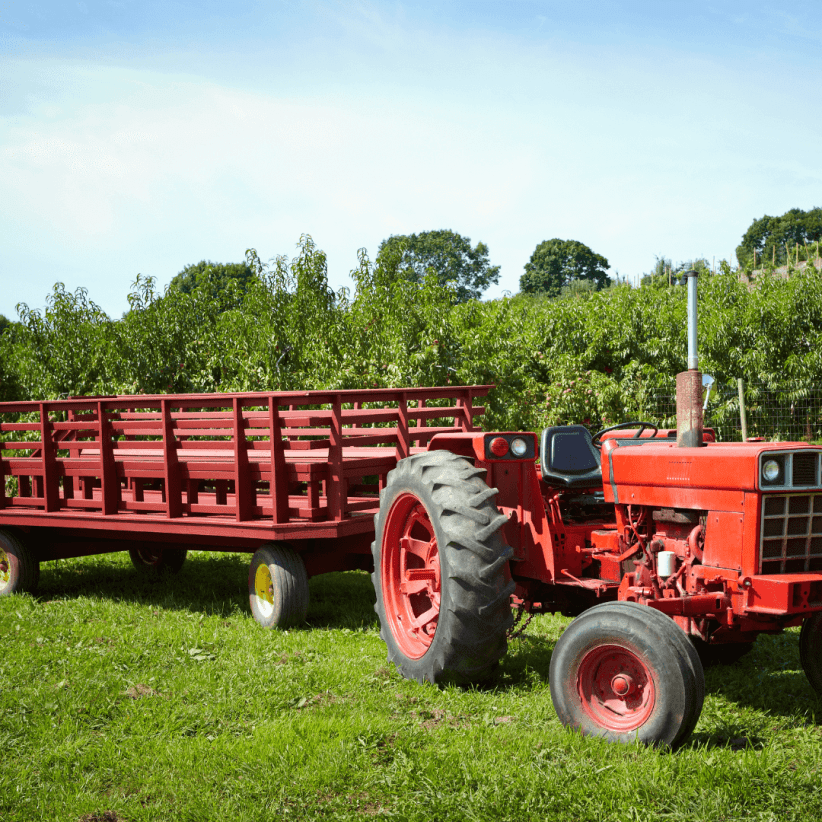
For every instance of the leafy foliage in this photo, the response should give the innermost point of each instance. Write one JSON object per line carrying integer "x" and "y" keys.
{"x": 599, "y": 358}
{"x": 223, "y": 282}
{"x": 556, "y": 264}
{"x": 446, "y": 254}
{"x": 781, "y": 239}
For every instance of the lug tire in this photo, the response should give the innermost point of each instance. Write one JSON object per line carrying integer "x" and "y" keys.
{"x": 156, "y": 562}
{"x": 626, "y": 672}
{"x": 810, "y": 650}
{"x": 278, "y": 586}
{"x": 440, "y": 571}
{"x": 19, "y": 569}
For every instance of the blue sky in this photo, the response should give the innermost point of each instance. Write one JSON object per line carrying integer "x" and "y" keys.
{"x": 138, "y": 137}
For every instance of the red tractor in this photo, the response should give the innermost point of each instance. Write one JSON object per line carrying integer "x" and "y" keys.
{"x": 670, "y": 546}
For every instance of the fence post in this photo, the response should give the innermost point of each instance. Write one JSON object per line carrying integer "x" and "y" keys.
{"x": 335, "y": 491}
{"x": 243, "y": 490}
{"x": 278, "y": 486}
{"x": 109, "y": 484}
{"x": 171, "y": 468}
{"x": 49, "y": 454}
{"x": 742, "y": 419}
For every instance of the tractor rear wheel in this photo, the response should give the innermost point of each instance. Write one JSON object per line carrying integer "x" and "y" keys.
{"x": 19, "y": 569}
{"x": 624, "y": 671}
{"x": 154, "y": 562}
{"x": 443, "y": 591}
{"x": 810, "y": 650}
{"x": 278, "y": 586}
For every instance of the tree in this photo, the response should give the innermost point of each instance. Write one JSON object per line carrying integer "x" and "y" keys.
{"x": 4, "y": 323}
{"x": 556, "y": 264}
{"x": 224, "y": 282}
{"x": 771, "y": 239}
{"x": 448, "y": 255}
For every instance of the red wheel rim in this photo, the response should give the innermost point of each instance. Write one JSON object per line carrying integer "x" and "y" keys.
{"x": 616, "y": 688}
{"x": 410, "y": 575}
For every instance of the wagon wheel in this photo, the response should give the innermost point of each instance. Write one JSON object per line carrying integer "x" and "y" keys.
{"x": 154, "y": 561}
{"x": 278, "y": 586}
{"x": 624, "y": 671}
{"x": 443, "y": 592}
{"x": 19, "y": 569}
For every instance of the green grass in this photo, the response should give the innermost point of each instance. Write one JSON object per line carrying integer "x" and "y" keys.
{"x": 164, "y": 700}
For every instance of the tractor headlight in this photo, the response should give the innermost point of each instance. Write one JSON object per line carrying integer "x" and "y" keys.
{"x": 519, "y": 447}
{"x": 771, "y": 469}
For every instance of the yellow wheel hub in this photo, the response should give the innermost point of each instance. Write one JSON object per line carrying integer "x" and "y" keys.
{"x": 5, "y": 570}
{"x": 264, "y": 589}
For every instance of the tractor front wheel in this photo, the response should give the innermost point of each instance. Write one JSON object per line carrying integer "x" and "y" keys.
{"x": 443, "y": 594}
{"x": 810, "y": 650}
{"x": 19, "y": 569}
{"x": 623, "y": 672}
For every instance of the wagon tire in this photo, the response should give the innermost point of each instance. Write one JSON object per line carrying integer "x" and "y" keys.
{"x": 440, "y": 571}
{"x": 810, "y": 650}
{"x": 19, "y": 568}
{"x": 156, "y": 562}
{"x": 624, "y": 672}
{"x": 278, "y": 586}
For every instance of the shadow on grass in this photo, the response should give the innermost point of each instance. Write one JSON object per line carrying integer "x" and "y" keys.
{"x": 528, "y": 657}
{"x": 769, "y": 679}
{"x": 209, "y": 583}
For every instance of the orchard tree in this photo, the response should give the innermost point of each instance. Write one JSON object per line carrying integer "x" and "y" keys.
{"x": 447, "y": 255}
{"x": 772, "y": 239}
{"x": 227, "y": 283}
{"x": 556, "y": 264}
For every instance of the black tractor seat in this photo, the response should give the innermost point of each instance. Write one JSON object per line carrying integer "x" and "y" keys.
{"x": 567, "y": 458}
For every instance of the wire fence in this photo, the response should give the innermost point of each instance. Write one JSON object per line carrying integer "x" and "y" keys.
{"x": 787, "y": 412}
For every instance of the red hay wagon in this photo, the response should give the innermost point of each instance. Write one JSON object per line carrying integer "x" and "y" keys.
{"x": 292, "y": 476}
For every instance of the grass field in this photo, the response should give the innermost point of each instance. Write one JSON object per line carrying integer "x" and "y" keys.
{"x": 128, "y": 699}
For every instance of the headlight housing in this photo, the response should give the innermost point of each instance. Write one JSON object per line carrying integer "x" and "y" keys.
{"x": 772, "y": 471}
{"x": 519, "y": 447}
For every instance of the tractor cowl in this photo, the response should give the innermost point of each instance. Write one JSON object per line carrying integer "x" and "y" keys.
{"x": 689, "y": 422}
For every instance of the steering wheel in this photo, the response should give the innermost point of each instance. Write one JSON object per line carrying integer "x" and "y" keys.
{"x": 596, "y": 439}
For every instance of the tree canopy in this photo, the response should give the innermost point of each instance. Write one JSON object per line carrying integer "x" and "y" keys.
{"x": 224, "y": 282}
{"x": 771, "y": 239}
{"x": 556, "y": 264}
{"x": 448, "y": 255}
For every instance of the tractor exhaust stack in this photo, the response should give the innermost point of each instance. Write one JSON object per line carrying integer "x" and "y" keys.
{"x": 689, "y": 383}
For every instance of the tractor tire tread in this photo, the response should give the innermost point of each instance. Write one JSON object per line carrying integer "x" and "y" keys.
{"x": 470, "y": 636}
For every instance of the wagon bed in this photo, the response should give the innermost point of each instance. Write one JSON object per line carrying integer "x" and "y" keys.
{"x": 225, "y": 471}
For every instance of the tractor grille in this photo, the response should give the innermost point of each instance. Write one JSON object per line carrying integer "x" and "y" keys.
{"x": 804, "y": 469}
{"x": 791, "y": 540}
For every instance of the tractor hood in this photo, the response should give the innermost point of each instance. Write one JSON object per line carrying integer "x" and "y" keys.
{"x": 651, "y": 472}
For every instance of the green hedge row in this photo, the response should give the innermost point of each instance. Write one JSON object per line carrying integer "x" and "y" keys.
{"x": 598, "y": 357}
